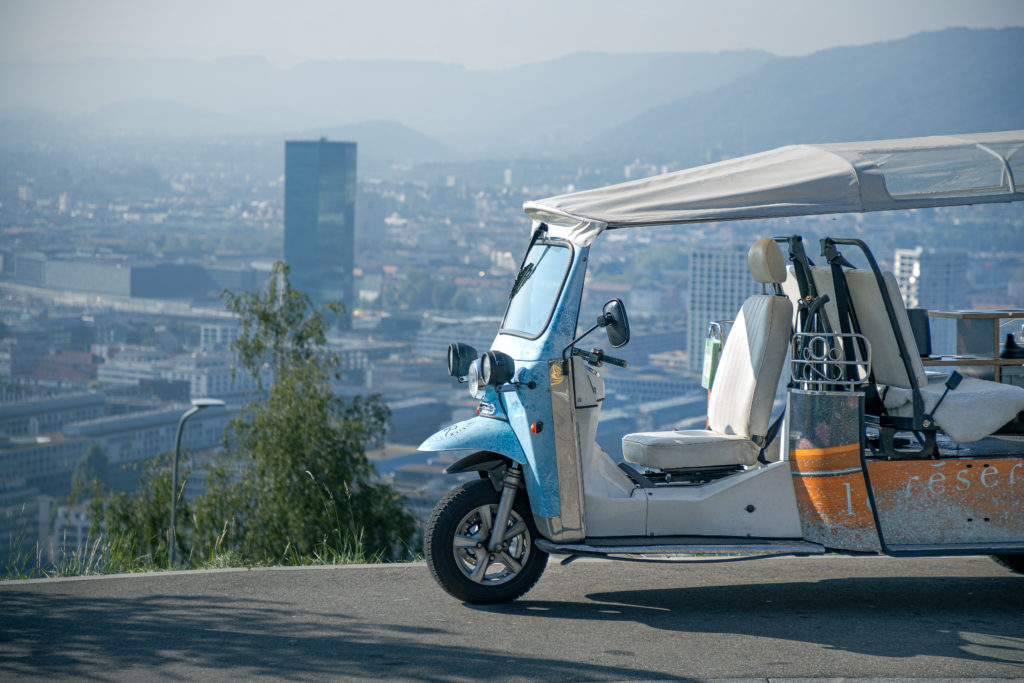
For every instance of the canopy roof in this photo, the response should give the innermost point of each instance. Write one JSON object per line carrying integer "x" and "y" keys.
{"x": 800, "y": 180}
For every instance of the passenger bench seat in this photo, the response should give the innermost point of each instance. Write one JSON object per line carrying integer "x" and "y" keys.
{"x": 974, "y": 410}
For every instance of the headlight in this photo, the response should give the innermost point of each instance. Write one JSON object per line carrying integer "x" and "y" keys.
{"x": 459, "y": 357}
{"x": 497, "y": 368}
{"x": 477, "y": 388}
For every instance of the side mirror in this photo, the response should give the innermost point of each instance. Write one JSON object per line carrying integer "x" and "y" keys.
{"x": 614, "y": 321}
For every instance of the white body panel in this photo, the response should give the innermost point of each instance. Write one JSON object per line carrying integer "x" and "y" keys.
{"x": 720, "y": 508}
{"x": 603, "y": 481}
{"x": 615, "y": 506}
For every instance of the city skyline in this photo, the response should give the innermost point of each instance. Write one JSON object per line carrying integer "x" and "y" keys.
{"x": 136, "y": 191}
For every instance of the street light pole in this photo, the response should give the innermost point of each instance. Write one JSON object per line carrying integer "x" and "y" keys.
{"x": 197, "y": 405}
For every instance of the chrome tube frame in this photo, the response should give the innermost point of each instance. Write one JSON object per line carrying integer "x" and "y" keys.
{"x": 818, "y": 363}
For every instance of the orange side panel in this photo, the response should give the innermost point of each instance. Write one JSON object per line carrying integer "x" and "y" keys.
{"x": 826, "y": 459}
{"x": 948, "y": 501}
{"x": 832, "y": 499}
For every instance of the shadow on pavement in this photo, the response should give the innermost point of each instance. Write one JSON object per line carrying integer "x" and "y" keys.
{"x": 887, "y": 617}
{"x": 188, "y": 637}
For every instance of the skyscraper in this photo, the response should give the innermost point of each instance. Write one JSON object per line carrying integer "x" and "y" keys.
{"x": 720, "y": 282}
{"x": 934, "y": 279}
{"x": 319, "y": 218}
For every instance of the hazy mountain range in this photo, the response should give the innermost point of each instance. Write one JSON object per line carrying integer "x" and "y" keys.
{"x": 953, "y": 81}
{"x": 676, "y": 106}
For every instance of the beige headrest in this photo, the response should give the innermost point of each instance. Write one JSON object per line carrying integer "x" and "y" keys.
{"x": 766, "y": 261}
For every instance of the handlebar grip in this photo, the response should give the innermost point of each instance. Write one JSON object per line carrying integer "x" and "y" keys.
{"x": 596, "y": 356}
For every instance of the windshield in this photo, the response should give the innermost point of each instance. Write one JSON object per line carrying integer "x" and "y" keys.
{"x": 536, "y": 289}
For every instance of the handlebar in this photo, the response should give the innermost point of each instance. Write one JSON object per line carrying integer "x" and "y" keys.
{"x": 597, "y": 357}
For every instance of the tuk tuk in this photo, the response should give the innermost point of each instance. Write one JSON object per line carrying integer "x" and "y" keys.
{"x": 872, "y": 454}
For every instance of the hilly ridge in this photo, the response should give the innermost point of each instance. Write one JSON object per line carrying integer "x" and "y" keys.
{"x": 536, "y": 108}
{"x": 676, "y": 108}
{"x": 953, "y": 81}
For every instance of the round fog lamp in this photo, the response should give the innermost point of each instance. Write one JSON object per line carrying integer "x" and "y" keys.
{"x": 475, "y": 381}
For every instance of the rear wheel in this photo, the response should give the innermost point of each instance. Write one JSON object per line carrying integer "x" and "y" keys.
{"x": 1014, "y": 563}
{"x": 456, "y": 546}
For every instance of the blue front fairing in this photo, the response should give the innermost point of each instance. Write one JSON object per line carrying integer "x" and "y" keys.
{"x": 525, "y": 407}
{"x": 477, "y": 434}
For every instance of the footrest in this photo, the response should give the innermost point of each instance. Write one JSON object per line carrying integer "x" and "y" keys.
{"x": 683, "y": 546}
{"x": 932, "y": 549}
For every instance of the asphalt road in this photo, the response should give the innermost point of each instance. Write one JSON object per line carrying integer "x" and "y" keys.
{"x": 590, "y": 620}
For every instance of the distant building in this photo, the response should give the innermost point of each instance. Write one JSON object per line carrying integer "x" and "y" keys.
{"x": 414, "y": 419}
{"x": 720, "y": 282}
{"x": 30, "y": 269}
{"x": 19, "y": 518}
{"x": 218, "y": 337}
{"x": 71, "y": 530}
{"x": 934, "y": 279}
{"x": 432, "y": 341}
{"x": 319, "y": 218}
{"x": 93, "y": 276}
{"x": 144, "y": 280}
{"x": 208, "y": 374}
{"x": 50, "y": 413}
{"x": 19, "y": 358}
{"x": 644, "y": 388}
{"x": 371, "y": 211}
{"x": 67, "y": 366}
{"x": 131, "y": 365}
{"x": 47, "y": 461}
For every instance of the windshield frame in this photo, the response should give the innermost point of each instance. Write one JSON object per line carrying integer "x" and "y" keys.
{"x": 549, "y": 242}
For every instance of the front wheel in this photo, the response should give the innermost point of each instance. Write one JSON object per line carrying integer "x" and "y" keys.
{"x": 456, "y": 546}
{"x": 1014, "y": 563}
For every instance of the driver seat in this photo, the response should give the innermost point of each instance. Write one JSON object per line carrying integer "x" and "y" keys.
{"x": 739, "y": 408}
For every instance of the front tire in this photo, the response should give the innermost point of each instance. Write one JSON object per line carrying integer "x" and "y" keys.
{"x": 456, "y": 546}
{"x": 1014, "y": 563}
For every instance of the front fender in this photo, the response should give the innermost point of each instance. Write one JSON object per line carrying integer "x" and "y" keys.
{"x": 496, "y": 436}
{"x": 478, "y": 434}
{"x": 481, "y": 461}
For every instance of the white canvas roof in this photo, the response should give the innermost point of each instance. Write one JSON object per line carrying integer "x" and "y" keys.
{"x": 800, "y": 180}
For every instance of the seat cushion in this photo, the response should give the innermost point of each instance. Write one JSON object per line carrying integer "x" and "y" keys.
{"x": 972, "y": 411}
{"x": 688, "y": 448}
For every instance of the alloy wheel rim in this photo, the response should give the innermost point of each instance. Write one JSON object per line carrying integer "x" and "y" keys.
{"x": 470, "y": 547}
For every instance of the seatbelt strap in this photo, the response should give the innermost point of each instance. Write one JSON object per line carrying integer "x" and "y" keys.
{"x": 769, "y": 436}
{"x": 848, "y": 316}
{"x": 836, "y": 261}
{"x": 804, "y": 279}
{"x": 801, "y": 266}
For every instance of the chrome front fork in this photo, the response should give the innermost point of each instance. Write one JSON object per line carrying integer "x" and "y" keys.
{"x": 513, "y": 477}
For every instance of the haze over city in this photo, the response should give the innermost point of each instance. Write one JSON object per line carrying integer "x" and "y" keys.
{"x": 487, "y": 34}
{"x": 154, "y": 155}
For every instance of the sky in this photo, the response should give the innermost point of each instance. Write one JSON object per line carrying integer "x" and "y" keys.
{"x": 478, "y": 34}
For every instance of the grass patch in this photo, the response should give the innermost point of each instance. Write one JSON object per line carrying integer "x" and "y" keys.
{"x": 120, "y": 554}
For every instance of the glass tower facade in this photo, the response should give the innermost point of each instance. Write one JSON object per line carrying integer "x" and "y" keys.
{"x": 720, "y": 282}
{"x": 319, "y": 218}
